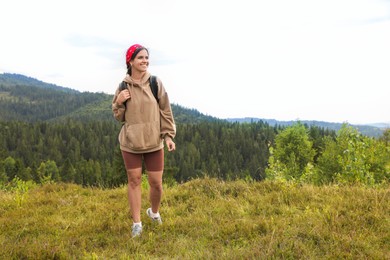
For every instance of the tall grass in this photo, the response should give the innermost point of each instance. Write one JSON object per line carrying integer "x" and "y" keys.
{"x": 203, "y": 219}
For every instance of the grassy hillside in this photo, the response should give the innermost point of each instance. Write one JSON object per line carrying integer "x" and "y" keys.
{"x": 203, "y": 219}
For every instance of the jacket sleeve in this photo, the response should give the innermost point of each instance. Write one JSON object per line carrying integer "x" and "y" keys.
{"x": 168, "y": 127}
{"x": 118, "y": 109}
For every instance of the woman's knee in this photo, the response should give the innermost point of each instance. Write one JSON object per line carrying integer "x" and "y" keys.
{"x": 155, "y": 180}
{"x": 134, "y": 177}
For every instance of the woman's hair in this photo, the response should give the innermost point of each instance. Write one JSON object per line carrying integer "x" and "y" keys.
{"x": 133, "y": 56}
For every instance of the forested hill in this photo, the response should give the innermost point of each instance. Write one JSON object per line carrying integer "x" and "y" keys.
{"x": 10, "y": 79}
{"x": 367, "y": 130}
{"x": 27, "y": 99}
{"x": 57, "y": 134}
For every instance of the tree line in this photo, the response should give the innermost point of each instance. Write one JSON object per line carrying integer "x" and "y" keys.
{"x": 88, "y": 153}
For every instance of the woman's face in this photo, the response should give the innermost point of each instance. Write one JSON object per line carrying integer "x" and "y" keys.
{"x": 140, "y": 62}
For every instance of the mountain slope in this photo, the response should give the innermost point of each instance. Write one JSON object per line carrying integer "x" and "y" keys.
{"x": 11, "y": 79}
{"x": 368, "y": 130}
{"x": 26, "y": 99}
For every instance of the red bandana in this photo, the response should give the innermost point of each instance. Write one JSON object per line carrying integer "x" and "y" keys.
{"x": 131, "y": 51}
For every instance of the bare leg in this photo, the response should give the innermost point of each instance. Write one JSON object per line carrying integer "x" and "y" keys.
{"x": 156, "y": 189}
{"x": 134, "y": 192}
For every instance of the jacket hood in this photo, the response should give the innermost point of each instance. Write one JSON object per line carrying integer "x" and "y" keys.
{"x": 144, "y": 79}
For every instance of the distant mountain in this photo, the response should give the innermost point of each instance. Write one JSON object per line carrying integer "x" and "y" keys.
{"x": 368, "y": 130}
{"x": 381, "y": 125}
{"x": 11, "y": 79}
{"x": 27, "y": 99}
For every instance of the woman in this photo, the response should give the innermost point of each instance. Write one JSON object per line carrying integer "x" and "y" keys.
{"x": 148, "y": 121}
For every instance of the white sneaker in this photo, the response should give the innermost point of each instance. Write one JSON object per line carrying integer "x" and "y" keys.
{"x": 136, "y": 230}
{"x": 153, "y": 216}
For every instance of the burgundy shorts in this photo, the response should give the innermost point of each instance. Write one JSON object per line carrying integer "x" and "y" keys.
{"x": 154, "y": 161}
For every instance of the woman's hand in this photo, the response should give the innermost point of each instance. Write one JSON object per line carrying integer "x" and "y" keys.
{"x": 123, "y": 96}
{"x": 170, "y": 144}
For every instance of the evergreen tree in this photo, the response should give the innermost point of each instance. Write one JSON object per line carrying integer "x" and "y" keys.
{"x": 68, "y": 172}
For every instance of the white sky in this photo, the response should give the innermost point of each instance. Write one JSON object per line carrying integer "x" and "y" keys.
{"x": 326, "y": 60}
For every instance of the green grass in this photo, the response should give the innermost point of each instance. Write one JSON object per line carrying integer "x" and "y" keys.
{"x": 203, "y": 219}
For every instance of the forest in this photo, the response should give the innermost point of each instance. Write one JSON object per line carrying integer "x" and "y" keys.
{"x": 49, "y": 133}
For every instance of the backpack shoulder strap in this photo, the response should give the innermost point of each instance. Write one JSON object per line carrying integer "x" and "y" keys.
{"x": 122, "y": 86}
{"x": 154, "y": 86}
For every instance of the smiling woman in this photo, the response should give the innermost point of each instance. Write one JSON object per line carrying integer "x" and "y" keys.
{"x": 147, "y": 123}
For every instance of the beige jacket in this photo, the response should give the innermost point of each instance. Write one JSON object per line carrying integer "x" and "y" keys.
{"x": 146, "y": 122}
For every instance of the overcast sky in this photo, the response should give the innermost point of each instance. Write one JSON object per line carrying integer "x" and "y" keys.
{"x": 326, "y": 60}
